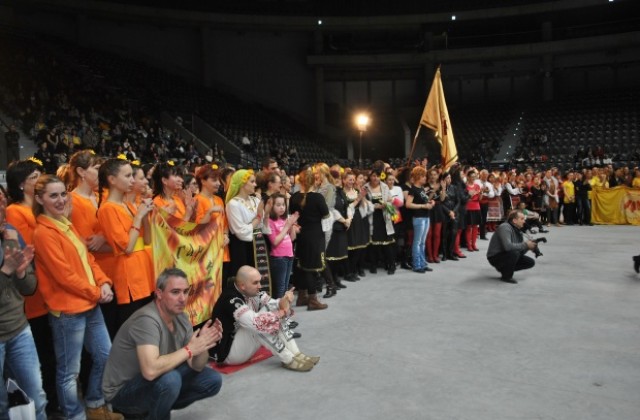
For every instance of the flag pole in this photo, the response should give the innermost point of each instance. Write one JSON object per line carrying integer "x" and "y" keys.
{"x": 413, "y": 146}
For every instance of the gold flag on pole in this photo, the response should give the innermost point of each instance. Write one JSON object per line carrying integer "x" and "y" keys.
{"x": 436, "y": 117}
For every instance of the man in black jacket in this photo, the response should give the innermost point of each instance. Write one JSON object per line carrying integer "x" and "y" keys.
{"x": 450, "y": 206}
{"x": 507, "y": 248}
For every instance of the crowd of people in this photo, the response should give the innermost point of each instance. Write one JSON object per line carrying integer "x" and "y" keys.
{"x": 86, "y": 225}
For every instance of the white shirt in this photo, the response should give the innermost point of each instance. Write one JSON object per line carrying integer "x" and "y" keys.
{"x": 240, "y": 214}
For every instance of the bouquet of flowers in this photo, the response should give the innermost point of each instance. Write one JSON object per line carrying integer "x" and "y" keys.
{"x": 393, "y": 212}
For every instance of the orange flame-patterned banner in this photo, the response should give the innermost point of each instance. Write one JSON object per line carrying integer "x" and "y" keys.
{"x": 195, "y": 249}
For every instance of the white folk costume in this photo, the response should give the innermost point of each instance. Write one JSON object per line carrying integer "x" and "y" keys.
{"x": 248, "y": 323}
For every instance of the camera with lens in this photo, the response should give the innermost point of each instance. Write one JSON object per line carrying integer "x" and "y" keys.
{"x": 536, "y": 250}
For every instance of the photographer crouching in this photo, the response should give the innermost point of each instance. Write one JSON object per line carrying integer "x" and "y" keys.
{"x": 507, "y": 248}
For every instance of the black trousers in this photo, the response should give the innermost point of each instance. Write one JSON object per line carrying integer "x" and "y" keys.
{"x": 449, "y": 230}
{"x": 484, "y": 209}
{"x": 584, "y": 210}
{"x": 569, "y": 213}
{"x": 509, "y": 262}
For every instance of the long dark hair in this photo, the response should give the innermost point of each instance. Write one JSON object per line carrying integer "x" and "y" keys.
{"x": 162, "y": 170}
{"x": 110, "y": 167}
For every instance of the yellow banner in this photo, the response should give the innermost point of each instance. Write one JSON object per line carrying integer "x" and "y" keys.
{"x": 436, "y": 117}
{"x": 615, "y": 206}
{"x": 195, "y": 249}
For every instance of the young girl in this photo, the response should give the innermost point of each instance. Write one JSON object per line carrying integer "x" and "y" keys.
{"x": 283, "y": 232}
{"x": 127, "y": 233}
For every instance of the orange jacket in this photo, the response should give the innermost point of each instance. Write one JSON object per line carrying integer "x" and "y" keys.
{"x": 61, "y": 275}
{"x": 21, "y": 217}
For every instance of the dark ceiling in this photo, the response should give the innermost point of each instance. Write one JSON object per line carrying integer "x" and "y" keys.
{"x": 328, "y": 7}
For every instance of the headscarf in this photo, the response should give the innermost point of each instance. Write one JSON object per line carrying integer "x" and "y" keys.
{"x": 238, "y": 179}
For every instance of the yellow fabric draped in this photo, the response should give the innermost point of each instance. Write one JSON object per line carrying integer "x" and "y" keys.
{"x": 615, "y": 206}
{"x": 436, "y": 117}
{"x": 195, "y": 249}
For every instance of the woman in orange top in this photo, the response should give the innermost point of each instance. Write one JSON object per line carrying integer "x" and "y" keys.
{"x": 72, "y": 285}
{"x": 21, "y": 178}
{"x": 210, "y": 209}
{"x": 83, "y": 183}
{"x": 139, "y": 191}
{"x": 82, "y": 180}
{"x": 127, "y": 233}
{"x": 168, "y": 193}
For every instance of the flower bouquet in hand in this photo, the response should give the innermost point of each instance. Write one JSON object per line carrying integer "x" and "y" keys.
{"x": 393, "y": 211}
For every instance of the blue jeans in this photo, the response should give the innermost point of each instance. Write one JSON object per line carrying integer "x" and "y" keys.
{"x": 175, "y": 389}
{"x": 22, "y": 365}
{"x": 70, "y": 333}
{"x": 420, "y": 230}
{"x": 280, "y": 272}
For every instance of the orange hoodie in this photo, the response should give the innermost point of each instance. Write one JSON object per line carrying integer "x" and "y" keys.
{"x": 62, "y": 279}
{"x": 21, "y": 217}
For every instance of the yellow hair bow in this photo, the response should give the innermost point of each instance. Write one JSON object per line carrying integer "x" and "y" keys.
{"x": 35, "y": 160}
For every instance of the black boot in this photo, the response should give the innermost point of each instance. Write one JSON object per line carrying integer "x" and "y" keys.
{"x": 351, "y": 277}
{"x": 331, "y": 285}
{"x": 331, "y": 292}
{"x": 339, "y": 284}
{"x": 391, "y": 269}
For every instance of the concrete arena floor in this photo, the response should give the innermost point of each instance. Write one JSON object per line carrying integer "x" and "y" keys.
{"x": 457, "y": 343}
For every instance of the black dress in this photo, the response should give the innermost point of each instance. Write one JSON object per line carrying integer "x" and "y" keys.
{"x": 337, "y": 248}
{"x": 310, "y": 250}
{"x": 379, "y": 234}
{"x": 358, "y": 233}
{"x": 436, "y": 215}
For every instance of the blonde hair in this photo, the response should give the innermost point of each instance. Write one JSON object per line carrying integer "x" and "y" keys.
{"x": 306, "y": 180}
{"x": 323, "y": 169}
